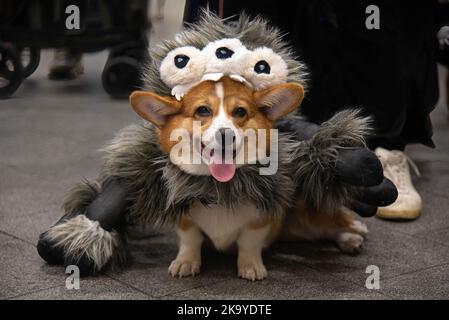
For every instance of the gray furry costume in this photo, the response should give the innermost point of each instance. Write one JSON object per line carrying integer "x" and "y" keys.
{"x": 158, "y": 192}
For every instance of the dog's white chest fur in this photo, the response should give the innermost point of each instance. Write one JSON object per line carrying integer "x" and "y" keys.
{"x": 223, "y": 225}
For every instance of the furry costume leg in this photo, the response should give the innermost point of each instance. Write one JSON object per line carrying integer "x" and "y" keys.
{"x": 88, "y": 235}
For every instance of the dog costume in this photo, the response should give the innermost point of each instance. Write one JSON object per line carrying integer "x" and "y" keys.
{"x": 139, "y": 186}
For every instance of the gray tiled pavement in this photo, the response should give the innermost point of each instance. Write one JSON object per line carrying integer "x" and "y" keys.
{"x": 48, "y": 136}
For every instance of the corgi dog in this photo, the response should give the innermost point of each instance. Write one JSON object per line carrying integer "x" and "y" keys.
{"x": 225, "y": 109}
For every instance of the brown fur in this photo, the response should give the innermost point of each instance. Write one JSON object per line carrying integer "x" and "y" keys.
{"x": 182, "y": 114}
{"x": 302, "y": 218}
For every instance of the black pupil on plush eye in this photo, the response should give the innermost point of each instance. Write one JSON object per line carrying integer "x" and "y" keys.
{"x": 262, "y": 67}
{"x": 239, "y": 112}
{"x": 224, "y": 53}
{"x": 202, "y": 111}
{"x": 181, "y": 61}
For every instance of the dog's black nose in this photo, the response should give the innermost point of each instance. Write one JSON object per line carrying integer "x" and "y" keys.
{"x": 225, "y": 137}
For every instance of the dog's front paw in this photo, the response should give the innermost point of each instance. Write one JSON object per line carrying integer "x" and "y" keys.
{"x": 252, "y": 269}
{"x": 182, "y": 267}
{"x": 350, "y": 242}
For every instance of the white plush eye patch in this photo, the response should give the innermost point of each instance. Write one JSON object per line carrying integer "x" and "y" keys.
{"x": 185, "y": 67}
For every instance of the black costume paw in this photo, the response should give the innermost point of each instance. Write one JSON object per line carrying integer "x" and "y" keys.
{"x": 86, "y": 266}
{"x": 49, "y": 251}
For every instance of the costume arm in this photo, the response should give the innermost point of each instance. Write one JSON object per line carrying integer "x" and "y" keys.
{"x": 356, "y": 169}
{"x": 109, "y": 207}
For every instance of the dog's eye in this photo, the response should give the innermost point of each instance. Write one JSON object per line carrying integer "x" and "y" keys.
{"x": 181, "y": 61}
{"x": 203, "y": 111}
{"x": 262, "y": 67}
{"x": 223, "y": 53}
{"x": 239, "y": 112}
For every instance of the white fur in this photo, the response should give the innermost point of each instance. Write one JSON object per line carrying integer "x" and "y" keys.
{"x": 188, "y": 260}
{"x": 82, "y": 236}
{"x": 250, "y": 243}
{"x": 349, "y": 242}
{"x": 220, "y": 121}
{"x": 223, "y": 225}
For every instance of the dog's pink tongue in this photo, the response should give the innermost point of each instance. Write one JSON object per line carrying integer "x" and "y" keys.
{"x": 222, "y": 172}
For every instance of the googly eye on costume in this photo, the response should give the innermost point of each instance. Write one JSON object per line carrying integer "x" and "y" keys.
{"x": 220, "y": 56}
{"x": 182, "y": 66}
{"x": 264, "y": 68}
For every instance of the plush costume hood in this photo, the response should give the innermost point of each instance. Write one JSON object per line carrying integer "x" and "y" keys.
{"x": 252, "y": 33}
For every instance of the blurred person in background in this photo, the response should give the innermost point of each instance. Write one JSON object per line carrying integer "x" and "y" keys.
{"x": 390, "y": 72}
{"x": 159, "y": 10}
{"x": 443, "y": 40}
{"x": 66, "y": 63}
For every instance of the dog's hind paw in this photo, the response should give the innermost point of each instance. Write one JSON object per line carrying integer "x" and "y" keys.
{"x": 350, "y": 242}
{"x": 184, "y": 268}
{"x": 359, "y": 228}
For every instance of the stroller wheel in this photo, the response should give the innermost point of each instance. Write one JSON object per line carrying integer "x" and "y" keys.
{"x": 11, "y": 72}
{"x": 121, "y": 76}
{"x": 134, "y": 49}
{"x": 30, "y": 58}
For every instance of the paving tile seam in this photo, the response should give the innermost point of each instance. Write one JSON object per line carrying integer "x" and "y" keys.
{"x": 16, "y": 237}
{"x": 345, "y": 281}
{"x": 305, "y": 264}
{"x": 435, "y": 242}
{"x": 404, "y": 233}
{"x": 128, "y": 285}
{"x": 398, "y": 297}
{"x": 32, "y": 292}
{"x": 193, "y": 288}
{"x": 417, "y": 270}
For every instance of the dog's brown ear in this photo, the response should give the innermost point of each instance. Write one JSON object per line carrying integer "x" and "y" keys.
{"x": 280, "y": 100}
{"x": 153, "y": 107}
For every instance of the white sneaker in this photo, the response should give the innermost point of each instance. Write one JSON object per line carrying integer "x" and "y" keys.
{"x": 397, "y": 168}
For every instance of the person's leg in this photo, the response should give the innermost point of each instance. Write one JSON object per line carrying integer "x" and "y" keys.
{"x": 447, "y": 90}
{"x": 66, "y": 65}
{"x": 396, "y": 165}
{"x": 160, "y": 4}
